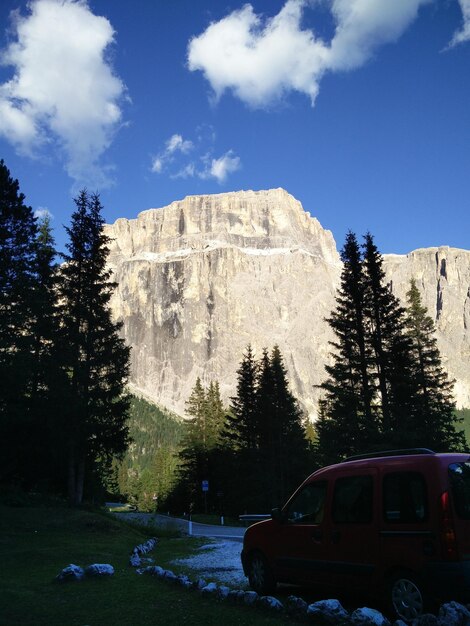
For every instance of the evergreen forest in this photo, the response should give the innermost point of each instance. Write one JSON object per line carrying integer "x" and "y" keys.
{"x": 63, "y": 365}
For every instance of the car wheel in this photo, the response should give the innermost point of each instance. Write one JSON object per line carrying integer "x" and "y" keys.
{"x": 407, "y": 597}
{"x": 260, "y": 575}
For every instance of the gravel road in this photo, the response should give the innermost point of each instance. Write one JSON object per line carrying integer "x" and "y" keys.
{"x": 231, "y": 533}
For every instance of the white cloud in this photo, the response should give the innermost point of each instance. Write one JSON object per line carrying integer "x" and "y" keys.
{"x": 261, "y": 59}
{"x": 63, "y": 92}
{"x": 157, "y": 165}
{"x": 202, "y": 164}
{"x": 463, "y": 34}
{"x": 223, "y": 166}
{"x": 175, "y": 144}
{"x": 188, "y": 171}
{"x": 43, "y": 212}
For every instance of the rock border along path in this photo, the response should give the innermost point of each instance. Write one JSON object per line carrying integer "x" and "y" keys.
{"x": 325, "y": 612}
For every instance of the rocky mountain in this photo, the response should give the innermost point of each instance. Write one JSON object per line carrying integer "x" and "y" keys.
{"x": 201, "y": 278}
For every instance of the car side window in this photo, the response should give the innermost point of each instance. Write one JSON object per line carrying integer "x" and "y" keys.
{"x": 404, "y": 498}
{"x": 352, "y": 500}
{"x": 460, "y": 480}
{"x": 308, "y": 505}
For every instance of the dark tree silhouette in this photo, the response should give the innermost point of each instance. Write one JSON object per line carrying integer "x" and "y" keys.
{"x": 95, "y": 357}
{"x": 18, "y": 232}
{"x": 435, "y": 422}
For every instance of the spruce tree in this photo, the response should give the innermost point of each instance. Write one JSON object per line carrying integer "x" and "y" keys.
{"x": 348, "y": 419}
{"x": 48, "y": 379}
{"x": 290, "y": 439}
{"x": 95, "y": 357}
{"x": 196, "y": 408}
{"x": 283, "y": 447}
{"x": 391, "y": 347}
{"x": 241, "y": 440}
{"x": 241, "y": 431}
{"x": 215, "y": 414}
{"x": 435, "y": 421}
{"x": 371, "y": 395}
{"x": 198, "y": 455}
{"x": 17, "y": 282}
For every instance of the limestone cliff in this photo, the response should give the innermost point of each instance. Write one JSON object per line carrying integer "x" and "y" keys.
{"x": 201, "y": 278}
{"x": 443, "y": 278}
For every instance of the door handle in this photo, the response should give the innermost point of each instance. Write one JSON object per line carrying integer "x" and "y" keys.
{"x": 317, "y": 535}
{"x": 335, "y": 536}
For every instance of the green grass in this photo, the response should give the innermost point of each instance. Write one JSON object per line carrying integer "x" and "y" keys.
{"x": 36, "y": 543}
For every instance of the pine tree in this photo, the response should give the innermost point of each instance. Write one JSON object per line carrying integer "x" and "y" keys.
{"x": 241, "y": 440}
{"x": 283, "y": 447}
{"x": 95, "y": 357}
{"x": 196, "y": 408}
{"x": 435, "y": 420}
{"x": 198, "y": 456}
{"x": 371, "y": 395}
{"x": 17, "y": 281}
{"x": 241, "y": 431}
{"x": 48, "y": 380}
{"x": 348, "y": 419}
{"x": 289, "y": 437}
{"x": 215, "y": 414}
{"x": 45, "y": 307}
{"x": 391, "y": 350}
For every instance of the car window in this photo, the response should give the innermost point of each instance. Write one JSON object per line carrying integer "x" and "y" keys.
{"x": 352, "y": 500}
{"x": 308, "y": 505}
{"x": 404, "y": 498}
{"x": 460, "y": 480}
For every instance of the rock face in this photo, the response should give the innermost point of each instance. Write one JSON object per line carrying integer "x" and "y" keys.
{"x": 202, "y": 278}
{"x": 443, "y": 278}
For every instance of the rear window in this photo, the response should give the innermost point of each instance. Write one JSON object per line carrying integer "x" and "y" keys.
{"x": 404, "y": 498}
{"x": 460, "y": 481}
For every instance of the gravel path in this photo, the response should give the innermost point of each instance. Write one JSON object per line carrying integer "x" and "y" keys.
{"x": 218, "y": 562}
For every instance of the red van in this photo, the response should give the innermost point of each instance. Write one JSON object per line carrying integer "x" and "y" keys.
{"x": 395, "y": 522}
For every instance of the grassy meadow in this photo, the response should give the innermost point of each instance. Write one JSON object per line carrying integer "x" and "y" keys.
{"x": 37, "y": 542}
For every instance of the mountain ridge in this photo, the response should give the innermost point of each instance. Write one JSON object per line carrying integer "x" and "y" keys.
{"x": 204, "y": 276}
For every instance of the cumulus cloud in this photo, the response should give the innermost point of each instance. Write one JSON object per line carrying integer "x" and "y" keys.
{"x": 261, "y": 59}
{"x": 175, "y": 144}
{"x": 463, "y": 34}
{"x": 63, "y": 93}
{"x": 223, "y": 166}
{"x": 202, "y": 164}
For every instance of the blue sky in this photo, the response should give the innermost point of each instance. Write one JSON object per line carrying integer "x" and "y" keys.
{"x": 359, "y": 108}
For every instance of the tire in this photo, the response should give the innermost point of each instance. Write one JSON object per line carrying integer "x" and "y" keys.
{"x": 406, "y": 596}
{"x": 260, "y": 575}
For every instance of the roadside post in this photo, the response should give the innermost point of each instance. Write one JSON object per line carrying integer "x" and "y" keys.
{"x": 205, "y": 489}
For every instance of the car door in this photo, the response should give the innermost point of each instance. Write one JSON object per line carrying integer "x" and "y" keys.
{"x": 459, "y": 474}
{"x": 352, "y": 544}
{"x": 301, "y": 549}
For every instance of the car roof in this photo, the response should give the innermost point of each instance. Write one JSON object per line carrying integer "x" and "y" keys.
{"x": 393, "y": 459}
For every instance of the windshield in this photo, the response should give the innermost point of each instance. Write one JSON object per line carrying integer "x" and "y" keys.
{"x": 460, "y": 480}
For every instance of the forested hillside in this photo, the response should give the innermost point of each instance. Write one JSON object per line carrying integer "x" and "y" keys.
{"x": 147, "y": 472}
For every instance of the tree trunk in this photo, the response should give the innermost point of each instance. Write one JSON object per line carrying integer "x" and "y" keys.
{"x": 71, "y": 476}
{"x": 76, "y": 478}
{"x": 80, "y": 481}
